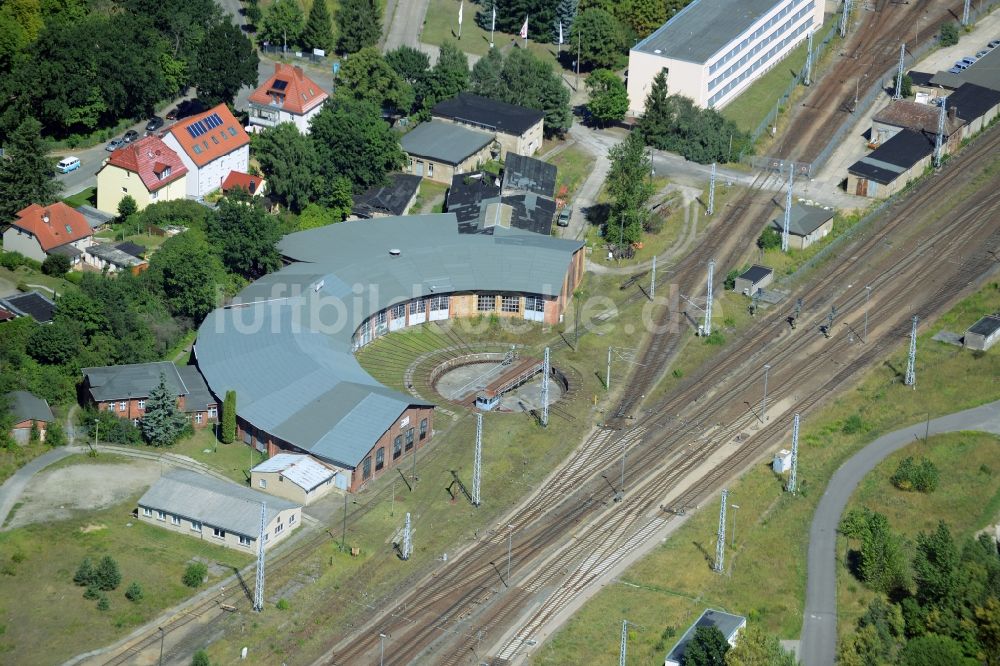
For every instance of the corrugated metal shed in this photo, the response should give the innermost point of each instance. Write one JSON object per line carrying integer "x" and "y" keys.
{"x": 304, "y": 471}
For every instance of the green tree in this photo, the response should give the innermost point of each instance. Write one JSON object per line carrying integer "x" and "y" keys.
{"x": 195, "y": 574}
{"x": 566, "y": 11}
{"x": 486, "y": 78}
{"x": 163, "y": 423}
{"x": 102, "y": 602}
{"x": 54, "y": 344}
{"x": 283, "y": 23}
{"x": 188, "y": 274}
{"x": 948, "y": 35}
{"x": 449, "y": 77}
{"x": 906, "y": 87}
{"x": 134, "y": 592}
{"x": 315, "y": 215}
{"x": 127, "y": 207}
{"x": 55, "y": 435}
{"x": 987, "y": 618}
{"x": 541, "y": 15}
{"x": 608, "y": 97}
{"x": 229, "y": 417}
{"x": 252, "y": 13}
{"x": 318, "y": 32}
{"x": 769, "y": 239}
{"x": 288, "y": 160}
{"x": 756, "y": 647}
{"x": 629, "y": 188}
{"x": 934, "y": 650}
{"x": 360, "y": 24}
{"x": 708, "y": 647}
{"x": 26, "y": 173}
{"x": 935, "y": 566}
{"x": 524, "y": 79}
{"x": 910, "y": 475}
{"x": 410, "y": 63}
{"x": 56, "y": 265}
{"x": 882, "y": 566}
{"x": 601, "y": 39}
{"x": 106, "y": 575}
{"x": 657, "y": 120}
{"x": 84, "y": 576}
{"x": 352, "y": 141}
{"x": 226, "y": 61}
{"x": 200, "y": 658}
{"x": 246, "y": 238}
{"x": 367, "y": 77}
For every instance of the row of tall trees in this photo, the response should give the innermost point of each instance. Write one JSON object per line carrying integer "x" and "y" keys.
{"x": 940, "y": 606}
{"x": 64, "y": 63}
{"x": 359, "y": 25}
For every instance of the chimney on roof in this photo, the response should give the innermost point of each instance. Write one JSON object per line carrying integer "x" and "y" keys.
{"x": 253, "y": 185}
{"x": 45, "y": 216}
{"x": 298, "y": 70}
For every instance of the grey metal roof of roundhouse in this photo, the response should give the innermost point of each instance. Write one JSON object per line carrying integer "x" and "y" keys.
{"x": 701, "y": 29}
{"x": 295, "y": 374}
{"x": 444, "y": 142}
{"x": 212, "y": 501}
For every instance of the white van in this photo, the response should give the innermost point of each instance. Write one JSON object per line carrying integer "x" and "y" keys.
{"x": 68, "y": 164}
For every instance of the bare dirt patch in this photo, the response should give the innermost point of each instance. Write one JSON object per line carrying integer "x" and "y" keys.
{"x": 59, "y": 493}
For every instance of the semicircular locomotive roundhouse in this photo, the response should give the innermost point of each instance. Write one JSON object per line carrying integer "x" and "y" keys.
{"x": 286, "y": 343}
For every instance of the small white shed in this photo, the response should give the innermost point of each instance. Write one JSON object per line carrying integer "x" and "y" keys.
{"x": 782, "y": 461}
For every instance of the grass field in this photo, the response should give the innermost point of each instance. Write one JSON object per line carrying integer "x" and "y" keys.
{"x": 16, "y": 457}
{"x": 430, "y": 197}
{"x": 40, "y": 605}
{"x": 232, "y": 460}
{"x": 32, "y": 279}
{"x": 574, "y": 164}
{"x": 671, "y": 586}
{"x": 87, "y": 197}
{"x": 967, "y": 499}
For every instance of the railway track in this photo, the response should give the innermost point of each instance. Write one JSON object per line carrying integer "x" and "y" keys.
{"x": 796, "y": 359}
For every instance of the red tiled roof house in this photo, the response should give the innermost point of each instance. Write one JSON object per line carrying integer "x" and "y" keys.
{"x": 289, "y": 96}
{"x": 147, "y": 170}
{"x": 39, "y": 231}
{"x": 210, "y": 145}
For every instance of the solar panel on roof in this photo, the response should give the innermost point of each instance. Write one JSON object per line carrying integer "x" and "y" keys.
{"x": 279, "y": 84}
{"x": 190, "y": 130}
{"x": 213, "y": 120}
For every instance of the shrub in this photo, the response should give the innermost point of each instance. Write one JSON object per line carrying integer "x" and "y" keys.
{"x": 56, "y": 265}
{"x": 106, "y": 575}
{"x": 55, "y": 435}
{"x": 715, "y": 338}
{"x": 91, "y": 593}
{"x": 730, "y": 282}
{"x": 84, "y": 573}
{"x": 770, "y": 239}
{"x": 910, "y": 475}
{"x": 127, "y": 207}
{"x": 111, "y": 428}
{"x": 102, "y": 603}
{"x": 195, "y": 574}
{"x": 200, "y": 659}
{"x": 134, "y": 592}
{"x": 282, "y": 604}
{"x": 18, "y": 557}
{"x": 948, "y": 35}
{"x": 853, "y": 425}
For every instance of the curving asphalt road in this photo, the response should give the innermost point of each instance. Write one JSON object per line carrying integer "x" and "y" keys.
{"x": 818, "y": 646}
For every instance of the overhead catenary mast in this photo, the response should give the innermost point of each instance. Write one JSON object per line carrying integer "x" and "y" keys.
{"x": 258, "y": 593}
{"x": 720, "y": 537}
{"x": 793, "y": 477}
{"x": 910, "y": 379}
{"x": 707, "y": 326}
{"x": 939, "y": 139}
{"x": 477, "y": 463}
{"x": 898, "y": 92}
{"x": 407, "y": 548}
{"x": 711, "y": 192}
{"x": 786, "y": 226}
{"x": 546, "y": 369}
{"x": 807, "y": 80}
{"x": 844, "y": 18}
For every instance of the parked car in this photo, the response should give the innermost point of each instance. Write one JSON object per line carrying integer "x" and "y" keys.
{"x": 130, "y": 136}
{"x": 955, "y": 70}
{"x": 980, "y": 54}
{"x": 961, "y": 66}
{"x": 995, "y": 43}
{"x": 969, "y": 60}
{"x": 564, "y": 215}
{"x": 68, "y": 164}
{"x": 114, "y": 144}
{"x": 154, "y": 124}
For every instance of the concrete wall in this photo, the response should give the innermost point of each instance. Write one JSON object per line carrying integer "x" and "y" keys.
{"x": 207, "y": 179}
{"x": 260, "y": 116}
{"x": 683, "y": 78}
{"x": 277, "y": 530}
{"x": 134, "y": 408}
{"x": 17, "y": 240}
{"x": 21, "y": 432}
{"x": 522, "y": 144}
{"x": 113, "y": 183}
{"x": 440, "y": 172}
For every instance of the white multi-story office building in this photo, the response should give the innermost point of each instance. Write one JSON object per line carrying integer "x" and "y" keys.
{"x": 713, "y": 49}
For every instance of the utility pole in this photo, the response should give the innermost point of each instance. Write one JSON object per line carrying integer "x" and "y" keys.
{"x": 711, "y": 192}
{"x": 621, "y": 649}
{"x": 621, "y": 492}
{"x": 477, "y": 464}
{"x": 607, "y": 377}
{"x": 844, "y": 18}
{"x": 793, "y": 477}
{"x": 546, "y": 369}
{"x": 382, "y": 637}
{"x": 868, "y": 295}
{"x": 911, "y": 361}
{"x": 939, "y": 139}
{"x": 652, "y": 280}
{"x": 788, "y": 209}
{"x": 763, "y": 406}
{"x": 720, "y": 537}
{"x": 510, "y": 538}
{"x": 258, "y": 592}
{"x": 707, "y": 326}
{"x": 732, "y": 538}
{"x": 965, "y": 12}
{"x": 407, "y": 539}
{"x": 898, "y": 92}
{"x": 809, "y": 60}
{"x": 343, "y": 533}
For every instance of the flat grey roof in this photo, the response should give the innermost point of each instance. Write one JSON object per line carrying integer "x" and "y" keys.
{"x": 444, "y": 142}
{"x": 212, "y": 502}
{"x": 756, "y": 273}
{"x": 984, "y": 72}
{"x": 285, "y": 343}
{"x": 701, "y": 29}
{"x": 987, "y": 326}
{"x": 804, "y": 219}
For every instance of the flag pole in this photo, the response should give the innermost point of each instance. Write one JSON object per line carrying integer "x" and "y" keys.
{"x": 460, "y": 8}
{"x": 525, "y": 32}
{"x": 493, "y": 25}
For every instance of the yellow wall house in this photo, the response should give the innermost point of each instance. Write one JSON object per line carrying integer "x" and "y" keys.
{"x": 296, "y": 477}
{"x": 147, "y": 170}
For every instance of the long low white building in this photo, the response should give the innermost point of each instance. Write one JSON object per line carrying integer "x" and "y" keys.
{"x": 713, "y": 49}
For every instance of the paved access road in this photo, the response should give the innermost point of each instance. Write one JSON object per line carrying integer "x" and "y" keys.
{"x": 818, "y": 646}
